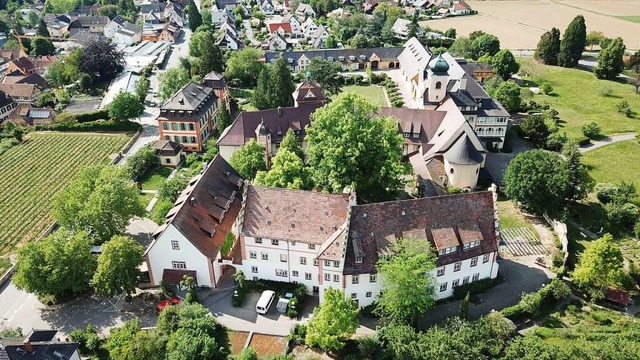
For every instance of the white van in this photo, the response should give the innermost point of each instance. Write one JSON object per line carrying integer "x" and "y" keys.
{"x": 265, "y": 301}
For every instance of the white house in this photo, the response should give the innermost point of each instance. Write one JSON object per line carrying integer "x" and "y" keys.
{"x": 276, "y": 42}
{"x": 169, "y": 152}
{"x": 400, "y": 29}
{"x": 433, "y": 80}
{"x": 228, "y": 40}
{"x": 319, "y": 37}
{"x": 190, "y": 241}
{"x": 267, "y": 7}
{"x": 305, "y": 10}
{"x": 309, "y": 27}
{"x": 460, "y": 8}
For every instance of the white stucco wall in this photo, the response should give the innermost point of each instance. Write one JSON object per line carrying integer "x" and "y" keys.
{"x": 463, "y": 176}
{"x": 226, "y": 151}
{"x": 161, "y": 255}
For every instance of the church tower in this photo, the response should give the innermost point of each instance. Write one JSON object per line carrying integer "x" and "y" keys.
{"x": 437, "y": 79}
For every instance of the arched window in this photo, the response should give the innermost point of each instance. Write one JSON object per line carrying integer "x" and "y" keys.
{"x": 438, "y": 85}
{"x": 451, "y": 171}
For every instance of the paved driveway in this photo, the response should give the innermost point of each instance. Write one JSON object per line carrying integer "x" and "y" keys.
{"x": 496, "y": 163}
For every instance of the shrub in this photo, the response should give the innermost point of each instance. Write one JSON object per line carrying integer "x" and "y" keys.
{"x": 622, "y": 217}
{"x": 190, "y": 159}
{"x": 92, "y": 116}
{"x": 369, "y": 347}
{"x": 92, "y": 126}
{"x": 141, "y": 161}
{"x": 192, "y": 297}
{"x": 591, "y": 130}
{"x": 556, "y": 140}
{"x": 606, "y": 92}
{"x": 605, "y": 192}
{"x": 87, "y": 339}
{"x": 546, "y": 88}
{"x": 636, "y": 230}
{"x": 170, "y": 189}
{"x": 623, "y": 106}
{"x": 298, "y": 333}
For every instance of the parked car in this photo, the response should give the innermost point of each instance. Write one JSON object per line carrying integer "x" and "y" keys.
{"x": 262, "y": 307}
{"x": 164, "y": 303}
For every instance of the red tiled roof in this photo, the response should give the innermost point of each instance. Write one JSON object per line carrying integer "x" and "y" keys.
{"x": 617, "y": 296}
{"x": 293, "y": 215}
{"x": 273, "y": 27}
{"x": 374, "y": 227}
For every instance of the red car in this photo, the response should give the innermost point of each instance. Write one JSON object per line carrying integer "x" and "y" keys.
{"x": 164, "y": 303}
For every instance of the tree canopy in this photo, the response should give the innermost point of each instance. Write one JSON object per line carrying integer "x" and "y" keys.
{"x": 117, "y": 270}
{"x": 508, "y": 94}
{"x": 275, "y": 86}
{"x": 125, "y": 106}
{"x": 548, "y": 47}
{"x": 243, "y": 66}
{"x": 600, "y": 265}
{"x": 59, "y": 264}
{"x": 333, "y": 322}
{"x": 327, "y": 74}
{"x": 139, "y": 162}
{"x": 102, "y": 60}
{"x": 210, "y": 58}
{"x": 409, "y": 287}
{"x": 573, "y": 42}
{"x": 539, "y": 180}
{"x": 348, "y": 147}
{"x": 504, "y": 64}
{"x": 287, "y": 171}
{"x": 249, "y": 159}
{"x": 171, "y": 81}
{"x": 485, "y": 44}
{"x": 194, "y": 16}
{"x": 610, "y": 63}
{"x": 100, "y": 200}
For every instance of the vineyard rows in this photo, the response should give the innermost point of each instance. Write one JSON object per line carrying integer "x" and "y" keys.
{"x": 34, "y": 172}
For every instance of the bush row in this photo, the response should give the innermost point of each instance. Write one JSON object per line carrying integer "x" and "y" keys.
{"x": 92, "y": 116}
{"x": 533, "y": 304}
{"x": 107, "y": 126}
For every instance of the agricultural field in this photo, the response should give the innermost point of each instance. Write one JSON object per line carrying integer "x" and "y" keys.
{"x": 519, "y": 24}
{"x": 35, "y": 171}
{"x": 591, "y": 103}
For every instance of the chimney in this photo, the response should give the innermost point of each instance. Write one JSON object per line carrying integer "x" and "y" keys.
{"x": 279, "y": 111}
{"x": 192, "y": 201}
{"x": 27, "y": 346}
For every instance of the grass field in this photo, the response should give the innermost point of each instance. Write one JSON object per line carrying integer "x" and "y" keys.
{"x": 154, "y": 177}
{"x": 632, "y": 18}
{"x": 35, "y": 171}
{"x": 375, "y": 94}
{"x": 577, "y": 97}
{"x": 615, "y": 162}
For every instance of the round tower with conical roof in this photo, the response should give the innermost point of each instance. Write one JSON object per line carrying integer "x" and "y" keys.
{"x": 437, "y": 79}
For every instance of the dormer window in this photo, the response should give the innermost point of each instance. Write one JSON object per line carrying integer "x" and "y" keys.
{"x": 358, "y": 259}
{"x": 406, "y": 134}
{"x": 340, "y": 58}
{"x": 330, "y": 58}
{"x": 448, "y": 250}
{"x": 352, "y": 58}
{"x": 471, "y": 244}
{"x": 416, "y": 135}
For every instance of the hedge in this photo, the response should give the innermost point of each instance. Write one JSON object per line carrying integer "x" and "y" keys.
{"x": 106, "y": 126}
{"x": 92, "y": 116}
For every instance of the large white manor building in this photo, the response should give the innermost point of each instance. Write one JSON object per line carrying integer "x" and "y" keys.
{"x": 318, "y": 239}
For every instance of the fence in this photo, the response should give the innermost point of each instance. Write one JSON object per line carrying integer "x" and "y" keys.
{"x": 560, "y": 229}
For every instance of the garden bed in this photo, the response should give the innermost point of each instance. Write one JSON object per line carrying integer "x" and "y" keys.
{"x": 265, "y": 345}
{"x": 237, "y": 340}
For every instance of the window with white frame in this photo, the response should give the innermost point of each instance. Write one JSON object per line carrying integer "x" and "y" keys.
{"x": 455, "y": 283}
{"x": 274, "y": 242}
{"x": 373, "y": 278}
{"x": 254, "y": 269}
{"x": 258, "y": 240}
{"x": 474, "y": 261}
{"x": 354, "y": 296}
{"x": 443, "y": 287}
{"x": 178, "y": 265}
{"x": 303, "y": 260}
{"x": 307, "y": 276}
{"x": 355, "y": 279}
{"x": 294, "y": 273}
{"x": 369, "y": 294}
{"x": 283, "y": 257}
{"x": 253, "y": 254}
{"x": 448, "y": 250}
{"x": 440, "y": 271}
{"x": 175, "y": 245}
{"x": 336, "y": 264}
{"x": 315, "y": 262}
{"x": 265, "y": 256}
{"x": 485, "y": 258}
{"x": 476, "y": 276}
{"x": 456, "y": 266}
{"x": 336, "y": 278}
{"x": 465, "y": 280}
{"x": 281, "y": 272}
{"x": 471, "y": 244}
{"x": 327, "y": 263}
{"x": 327, "y": 277}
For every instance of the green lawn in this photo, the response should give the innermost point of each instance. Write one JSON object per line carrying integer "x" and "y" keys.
{"x": 375, "y": 94}
{"x": 632, "y": 18}
{"x": 154, "y": 177}
{"x": 577, "y": 97}
{"x": 511, "y": 217}
{"x": 145, "y": 199}
{"x": 615, "y": 162}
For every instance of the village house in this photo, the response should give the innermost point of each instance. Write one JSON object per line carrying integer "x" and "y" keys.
{"x": 122, "y": 32}
{"x": 275, "y": 42}
{"x": 305, "y": 10}
{"x": 350, "y": 59}
{"x": 93, "y": 24}
{"x": 188, "y": 117}
{"x": 434, "y": 80}
{"x": 26, "y": 114}
{"x": 20, "y": 93}
{"x": 460, "y": 7}
{"x": 319, "y": 37}
{"x": 267, "y": 7}
{"x": 169, "y": 152}
{"x": 190, "y": 241}
{"x": 38, "y": 344}
{"x": 317, "y": 239}
{"x": 400, "y": 29}
{"x": 168, "y": 32}
{"x": 32, "y": 79}
{"x": 57, "y": 24}
{"x": 6, "y": 106}
{"x": 281, "y": 29}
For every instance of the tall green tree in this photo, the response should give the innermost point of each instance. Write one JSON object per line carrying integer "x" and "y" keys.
{"x": 600, "y": 266}
{"x": 261, "y": 97}
{"x": 539, "y": 180}
{"x": 249, "y": 159}
{"x": 350, "y": 147}
{"x": 462, "y": 47}
{"x": 59, "y": 264}
{"x": 42, "y": 29}
{"x": 409, "y": 287}
{"x": 211, "y": 57}
{"x": 242, "y": 66}
{"x": 139, "y": 162}
{"x": 287, "y": 171}
{"x": 142, "y": 87}
{"x": 504, "y": 64}
{"x": 333, "y": 322}
{"x": 535, "y": 128}
{"x": 327, "y": 74}
{"x": 130, "y": 342}
{"x": 610, "y": 63}
{"x": 171, "y": 81}
{"x": 42, "y": 47}
{"x": 508, "y": 94}
{"x": 413, "y": 28}
{"x": 194, "y": 16}
{"x": 100, "y": 200}
{"x": 117, "y": 271}
{"x": 579, "y": 181}
{"x": 290, "y": 142}
{"x": 223, "y": 120}
{"x": 484, "y": 45}
{"x": 573, "y": 42}
{"x": 102, "y": 60}
{"x": 125, "y": 106}
{"x": 548, "y": 47}
{"x": 594, "y": 38}
{"x": 281, "y": 84}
